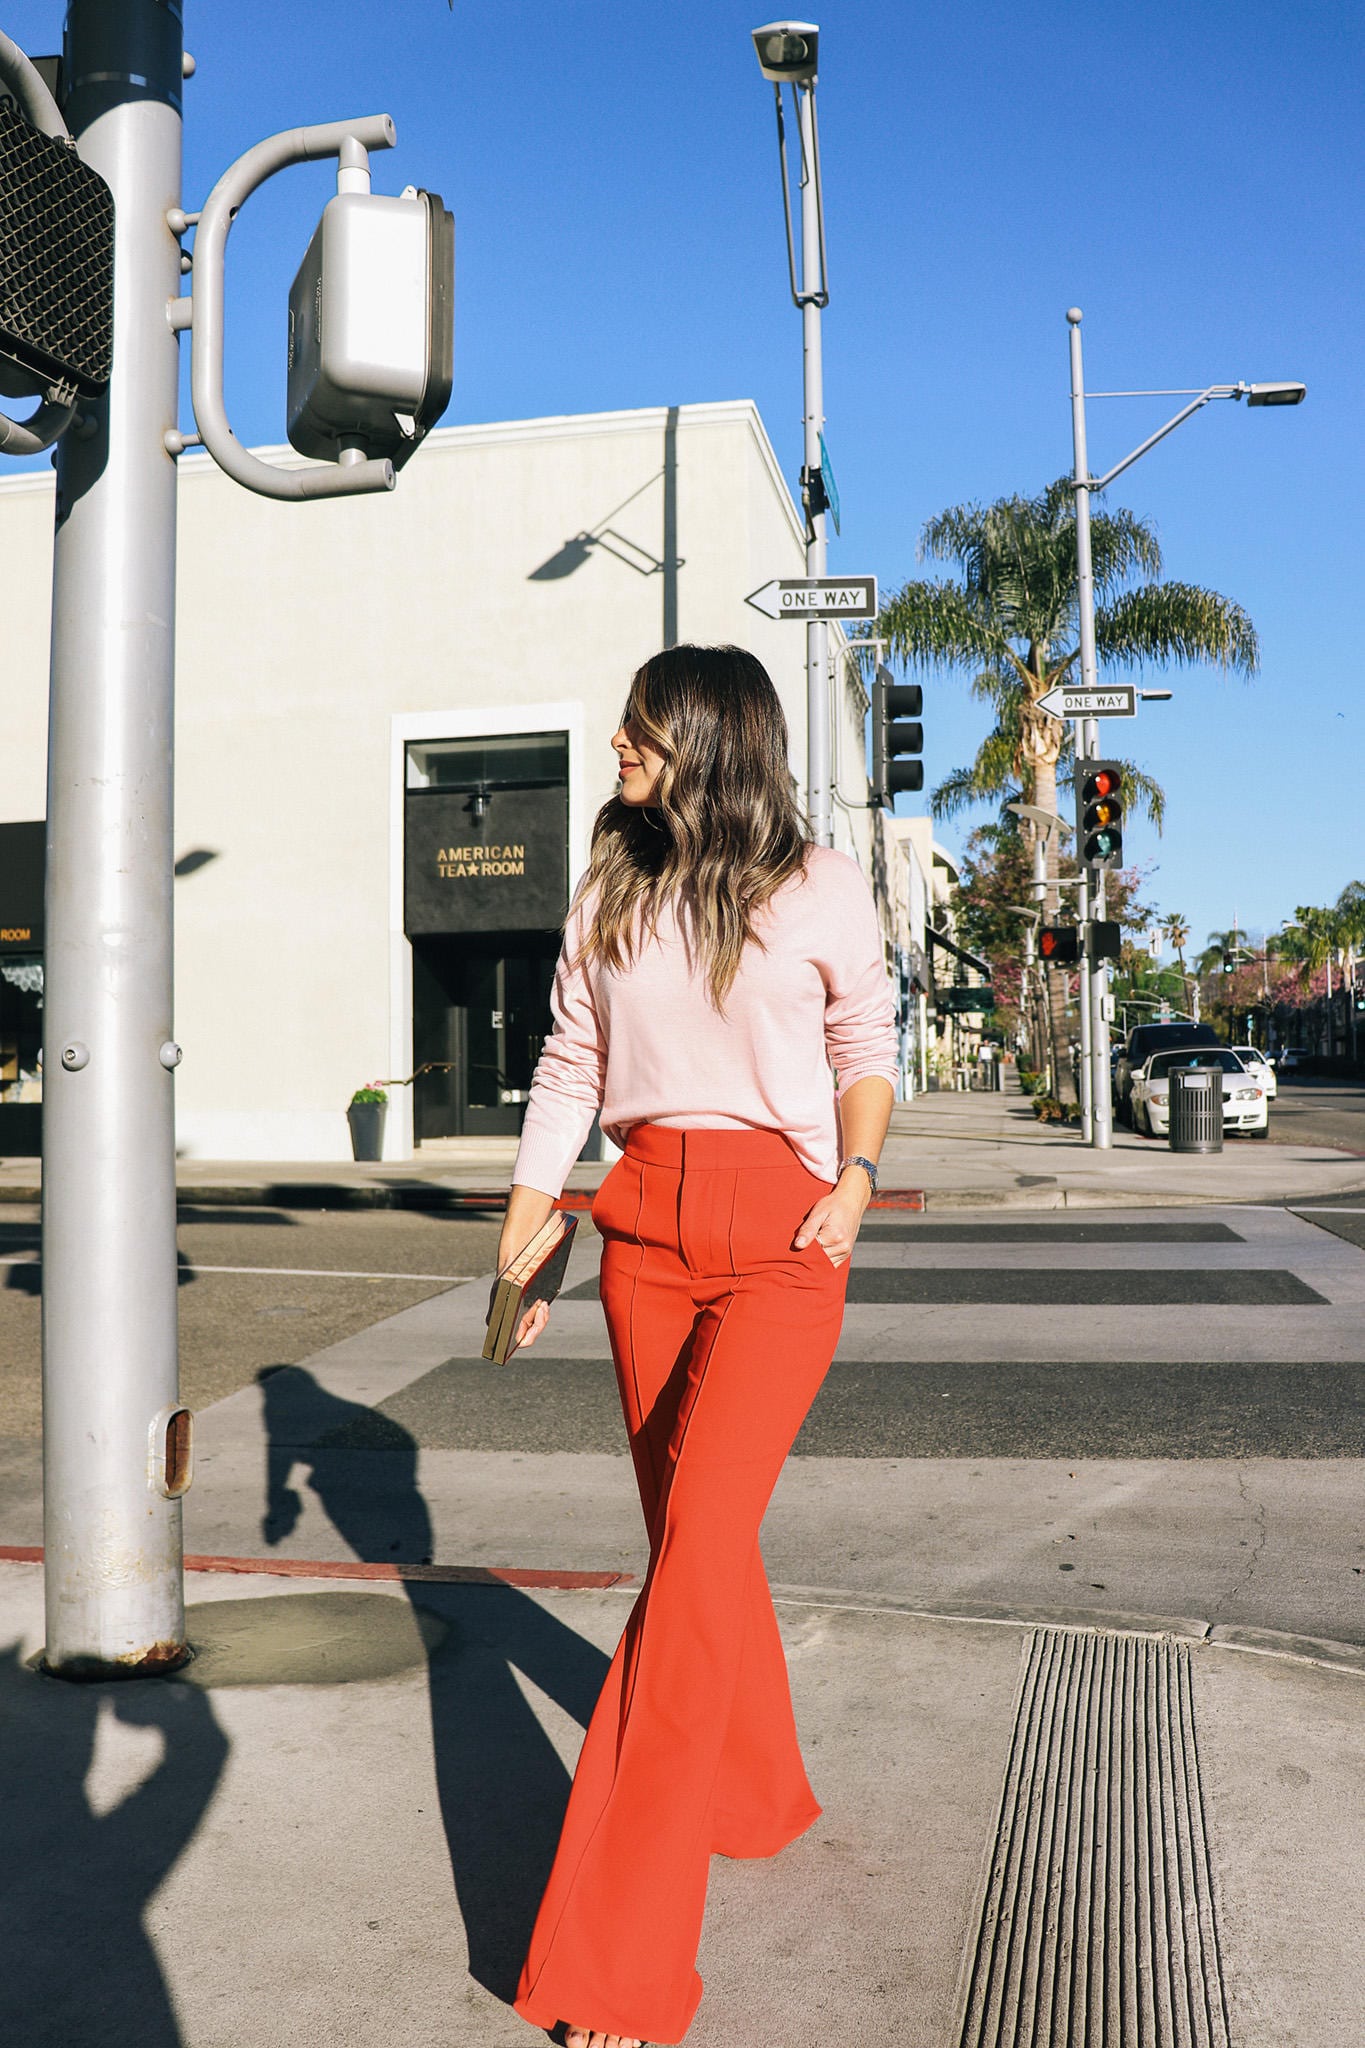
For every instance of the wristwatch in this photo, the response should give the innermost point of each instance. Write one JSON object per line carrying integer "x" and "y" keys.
{"x": 856, "y": 1159}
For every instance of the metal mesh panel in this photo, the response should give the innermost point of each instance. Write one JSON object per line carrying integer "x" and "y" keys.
{"x": 56, "y": 258}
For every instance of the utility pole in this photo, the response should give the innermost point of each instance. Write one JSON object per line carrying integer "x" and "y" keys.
{"x": 116, "y": 1448}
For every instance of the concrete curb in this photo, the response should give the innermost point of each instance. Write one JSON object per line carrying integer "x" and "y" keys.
{"x": 423, "y": 1197}
{"x": 1261, "y": 1642}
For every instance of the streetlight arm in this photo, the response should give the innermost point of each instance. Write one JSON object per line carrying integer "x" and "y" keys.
{"x": 1099, "y": 483}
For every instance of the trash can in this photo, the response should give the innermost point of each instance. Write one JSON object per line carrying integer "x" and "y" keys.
{"x": 1196, "y": 1122}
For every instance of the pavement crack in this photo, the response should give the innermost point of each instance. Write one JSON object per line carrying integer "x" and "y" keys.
{"x": 1260, "y": 1516}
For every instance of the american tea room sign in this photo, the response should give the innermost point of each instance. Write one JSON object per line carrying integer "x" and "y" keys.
{"x": 504, "y": 871}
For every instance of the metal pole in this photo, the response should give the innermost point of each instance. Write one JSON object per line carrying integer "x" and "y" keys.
{"x": 1087, "y": 749}
{"x": 820, "y": 807}
{"x": 1087, "y": 1033}
{"x": 115, "y": 1439}
{"x": 1044, "y": 991}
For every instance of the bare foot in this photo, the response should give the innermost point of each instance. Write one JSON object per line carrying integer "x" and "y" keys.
{"x": 585, "y": 2037}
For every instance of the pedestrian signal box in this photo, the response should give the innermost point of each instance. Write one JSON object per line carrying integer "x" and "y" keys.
{"x": 1100, "y": 799}
{"x": 371, "y": 325}
{"x": 1104, "y": 938}
{"x": 56, "y": 265}
{"x": 1059, "y": 945}
{"x": 895, "y": 738}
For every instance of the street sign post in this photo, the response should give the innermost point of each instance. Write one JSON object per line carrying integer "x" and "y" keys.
{"x": 1075, "y": 700}
{"x": 817, "y": 597}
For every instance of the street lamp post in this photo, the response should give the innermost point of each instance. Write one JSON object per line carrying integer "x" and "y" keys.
{"x": 787, "y": 52}
{"x": 1095, "y": 1005}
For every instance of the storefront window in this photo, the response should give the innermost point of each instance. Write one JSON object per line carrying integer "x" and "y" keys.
{"x": 21, "y": 1028}
{"x": 513, "y": 759}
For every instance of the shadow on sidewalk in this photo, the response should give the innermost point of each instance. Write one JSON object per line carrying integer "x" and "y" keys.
{"x": 76, "y": 1880}
{"x": 502, "y": 1786}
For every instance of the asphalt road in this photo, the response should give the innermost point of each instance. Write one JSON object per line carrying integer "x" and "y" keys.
{"x": 1312, "y": 1112}
{"x": 294, "y": 1283}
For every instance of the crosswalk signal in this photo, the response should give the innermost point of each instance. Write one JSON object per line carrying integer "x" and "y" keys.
{"x": 1100, "y": 796}
{"x": 56, "y": 265}
{"x": 895, "y": 738}
{"x": 1059, "y": 945}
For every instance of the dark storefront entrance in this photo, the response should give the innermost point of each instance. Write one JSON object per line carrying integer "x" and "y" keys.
{"x": 21, "y": 990}
{"x": 485, "y": 892}
{"x": 480, "y": 1009}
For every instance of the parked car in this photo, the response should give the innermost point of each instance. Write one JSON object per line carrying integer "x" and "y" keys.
{"x": 1292, "y": 1061}
{"x": 1262, "y": 1065}
{"x": 1143, "y": 1041}
{"x": 1245, "y": 1106}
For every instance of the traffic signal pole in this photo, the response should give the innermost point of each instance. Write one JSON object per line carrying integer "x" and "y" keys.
{"x": 116, "y": 1449}
{"x": 1094, "y": 975}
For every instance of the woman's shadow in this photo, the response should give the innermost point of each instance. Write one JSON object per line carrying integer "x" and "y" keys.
{"x": 77, "y": 1878}
{"x": 502, "y": 1786}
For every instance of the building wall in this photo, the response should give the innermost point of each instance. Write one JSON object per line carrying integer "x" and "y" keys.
{"x": 512, "y": 582}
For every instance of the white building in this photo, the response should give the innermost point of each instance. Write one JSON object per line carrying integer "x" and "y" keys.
{"x": 393, "y": 717}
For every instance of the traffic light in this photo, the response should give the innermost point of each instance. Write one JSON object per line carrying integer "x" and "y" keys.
{"x": 1100, "y": 795}
{"x": 1059, "y": 945}
{"x": 56, "y": 264}
{"x": 894, "y": 738}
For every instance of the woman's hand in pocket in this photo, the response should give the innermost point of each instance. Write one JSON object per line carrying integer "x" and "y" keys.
{"x": 834, "y": 1221}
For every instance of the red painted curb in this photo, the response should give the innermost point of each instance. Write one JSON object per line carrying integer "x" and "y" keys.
{"x": 356, "y": 1568}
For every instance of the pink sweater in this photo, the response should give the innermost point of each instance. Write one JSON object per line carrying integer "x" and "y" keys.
{"x": 646, "y": 1045}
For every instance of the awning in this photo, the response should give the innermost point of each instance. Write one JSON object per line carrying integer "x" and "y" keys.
{"x": 958, "y": 952}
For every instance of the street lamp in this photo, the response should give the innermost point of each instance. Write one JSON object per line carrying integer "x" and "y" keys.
{"x": 787, "y": 53}
{"x": 1098, "y": 1127}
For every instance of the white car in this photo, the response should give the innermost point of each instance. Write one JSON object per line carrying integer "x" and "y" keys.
{"x": 1245, "y": 1107}
{"x": 1261, "y": 1065}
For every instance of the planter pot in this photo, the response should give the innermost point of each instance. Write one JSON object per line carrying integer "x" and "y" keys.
{"x": 367, "y": 1129}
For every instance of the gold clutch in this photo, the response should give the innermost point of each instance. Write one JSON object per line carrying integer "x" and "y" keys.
{"x": 535, "y": 1274}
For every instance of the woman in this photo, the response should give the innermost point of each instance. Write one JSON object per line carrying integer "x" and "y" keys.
{"x": 715, "y": 965}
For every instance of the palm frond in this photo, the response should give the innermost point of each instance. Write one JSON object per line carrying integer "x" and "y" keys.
{"x": 992, "y": 775}
{"x": 937, "y": 625}
{"x": 1176, "y": 622}
{"x": 1121, "y": 545}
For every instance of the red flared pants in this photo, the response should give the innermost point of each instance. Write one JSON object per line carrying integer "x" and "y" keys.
{"x": 721, "y": 1333}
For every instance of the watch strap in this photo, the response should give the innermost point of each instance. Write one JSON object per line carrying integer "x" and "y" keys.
{"x": 856, "y": 1159}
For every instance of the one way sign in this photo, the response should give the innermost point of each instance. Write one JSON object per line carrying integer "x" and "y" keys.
{"x": 817, "y": 597}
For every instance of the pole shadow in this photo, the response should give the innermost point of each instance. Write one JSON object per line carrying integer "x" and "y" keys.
{"x": 502, "y": 1786}
{"x": 75, "y": 1883}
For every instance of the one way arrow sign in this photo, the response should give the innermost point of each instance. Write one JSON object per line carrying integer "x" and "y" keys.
{"x": 1074, "y": 700}
{"x": 817, "y": 597}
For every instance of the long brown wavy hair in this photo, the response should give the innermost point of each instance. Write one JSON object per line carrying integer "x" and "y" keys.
{"x": 723, "y": 830}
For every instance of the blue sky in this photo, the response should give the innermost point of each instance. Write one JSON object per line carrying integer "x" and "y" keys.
{"x": 1189, "y": 174}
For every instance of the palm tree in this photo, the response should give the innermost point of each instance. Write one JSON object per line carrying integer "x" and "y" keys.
{"x": 1011, "y": 625}
{"x": 1176, "y": 930}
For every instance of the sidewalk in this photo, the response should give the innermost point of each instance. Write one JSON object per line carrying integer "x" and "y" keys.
{"x": 959, "y": 1151}
{"x": 334, "y": 1825}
